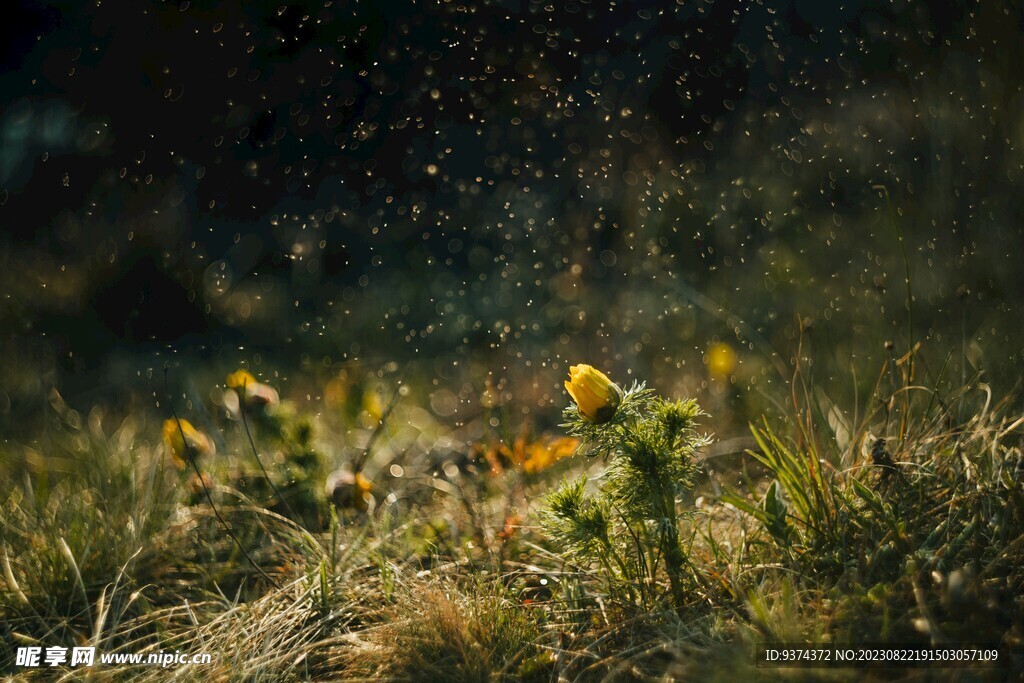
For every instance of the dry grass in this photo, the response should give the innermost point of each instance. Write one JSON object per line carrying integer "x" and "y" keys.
{"x": 450, "y": 578}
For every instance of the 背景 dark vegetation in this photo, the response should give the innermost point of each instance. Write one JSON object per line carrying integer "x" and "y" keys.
{"x": 406, "y": 222}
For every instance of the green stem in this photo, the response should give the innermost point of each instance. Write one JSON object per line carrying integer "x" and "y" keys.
{"x": 674, "y": 558}
{"x": 610, "y": 552}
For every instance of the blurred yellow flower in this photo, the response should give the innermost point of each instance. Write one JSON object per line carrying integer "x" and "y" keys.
{"x": 721, "y": 361}
{"x": 352, "y": 491}
{"x": 372, "y": 406}
{"x": 256, "y": 393}
{"x": 596, "y": 397}
{"x": 200, "y": 444}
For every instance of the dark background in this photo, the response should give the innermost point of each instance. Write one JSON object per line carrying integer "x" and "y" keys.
{"x": 491, "y": 191}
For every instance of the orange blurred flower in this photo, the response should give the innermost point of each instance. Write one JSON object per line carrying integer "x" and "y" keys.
{"x": 530, "y": 457}
{"x": 542, "y": 454}
{"x": 512, "y": 524}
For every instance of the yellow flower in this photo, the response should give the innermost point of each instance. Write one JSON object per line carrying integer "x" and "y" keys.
{"x": 199, "y": 443}
{"x": 596, "y": 397}
{"x": 256, "y": 394}
{"x": 240, "y": 378}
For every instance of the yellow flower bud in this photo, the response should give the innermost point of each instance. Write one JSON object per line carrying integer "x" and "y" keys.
{"x": 200, "y": 443}
{"x": 241, "y": 378}
{"x": 721, "y": 361}
{"x": 596, "y": 397}
{"x": 256, "y": 394}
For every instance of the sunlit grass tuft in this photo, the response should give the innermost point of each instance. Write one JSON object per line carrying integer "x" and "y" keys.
{"x": 441, "y": 632}
{"x": 905, "y": 527}
{"x": 79, "y": 516}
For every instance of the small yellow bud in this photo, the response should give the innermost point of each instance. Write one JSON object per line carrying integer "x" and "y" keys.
{"x": 241, "y": 378}
{"x": 256, "y": 394}
{"x": 199, "y": 443}
{"x": 721, "y": 360}
{"x": 596, "y": 397}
